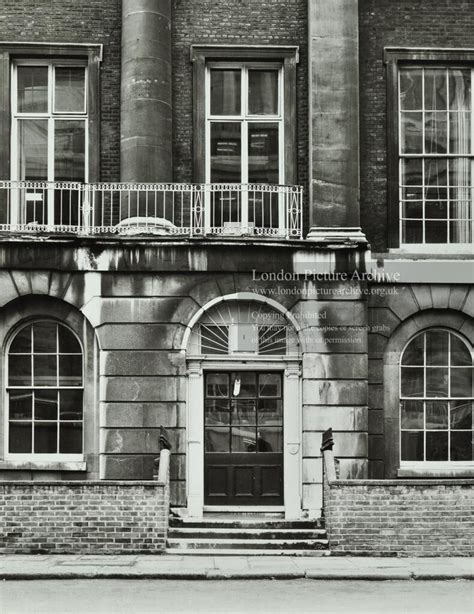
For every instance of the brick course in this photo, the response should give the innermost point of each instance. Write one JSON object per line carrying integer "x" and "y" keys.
{"x": 400, "y": 517}
{"x": 83, "y": 517}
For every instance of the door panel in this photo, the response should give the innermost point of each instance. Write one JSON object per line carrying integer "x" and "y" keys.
{"x": 243, "y": 438}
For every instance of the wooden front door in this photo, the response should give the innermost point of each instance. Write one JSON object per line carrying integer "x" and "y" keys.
{"x": 243, "y": 433}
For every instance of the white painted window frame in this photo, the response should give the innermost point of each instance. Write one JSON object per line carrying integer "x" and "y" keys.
{"x": 38, "y": 457}
{"x": 434, "y": 248}
{"x": 245, "y": 118}
{"x": 51, "y": 116}
{"x": 431, "y": 465}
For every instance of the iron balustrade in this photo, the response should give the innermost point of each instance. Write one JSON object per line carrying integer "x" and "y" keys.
{"x": 128, "y": 209}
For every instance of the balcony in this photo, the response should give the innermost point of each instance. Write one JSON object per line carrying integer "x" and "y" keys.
{"x": 151, "y": 210}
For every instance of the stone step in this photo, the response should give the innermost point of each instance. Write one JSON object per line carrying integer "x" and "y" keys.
{"x": 244, "y": 523}
{"x": 243, "y": 552}
{"x": 247, "y": 544}
{"x": 216, "y": 533}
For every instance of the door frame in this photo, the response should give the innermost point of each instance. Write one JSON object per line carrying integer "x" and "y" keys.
{"x": 292, "y": 435}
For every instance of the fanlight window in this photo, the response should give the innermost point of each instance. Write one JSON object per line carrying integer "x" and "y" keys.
{"x": 238, "y": 327}
{"x": 436, "y": 399}
{"x": 45, "y": 391}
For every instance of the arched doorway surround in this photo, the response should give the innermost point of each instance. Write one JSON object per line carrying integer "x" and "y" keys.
{"x": 235, "y": 341}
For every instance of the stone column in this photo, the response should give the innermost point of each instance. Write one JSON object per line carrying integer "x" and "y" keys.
{"x": 145, "y": 120}
{"x": 334, "y": 120}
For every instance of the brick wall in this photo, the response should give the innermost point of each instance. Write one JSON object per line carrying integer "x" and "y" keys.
{"x": 430, "y": 23}
{"x": 83, "y": 517}
{"x": 400, "y": 517}
{"x": 77, "y": 21}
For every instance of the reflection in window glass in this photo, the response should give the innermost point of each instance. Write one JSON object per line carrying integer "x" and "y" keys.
{"x": 69, "y": 94}
{"x": 32, "y": 89}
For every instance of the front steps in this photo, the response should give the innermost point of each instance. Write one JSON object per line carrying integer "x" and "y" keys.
{"x": 244, "y": 536}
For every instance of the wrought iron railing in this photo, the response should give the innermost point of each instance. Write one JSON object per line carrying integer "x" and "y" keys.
{"x": 129, "y": 209}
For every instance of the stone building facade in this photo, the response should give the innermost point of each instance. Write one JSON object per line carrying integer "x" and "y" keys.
{"x": 246, "y": 222}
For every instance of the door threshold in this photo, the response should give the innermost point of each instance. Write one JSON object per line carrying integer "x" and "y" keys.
{"x": 242, "y": 509}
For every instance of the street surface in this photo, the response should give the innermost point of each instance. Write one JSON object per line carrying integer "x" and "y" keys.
{"x": 236, "y": 596}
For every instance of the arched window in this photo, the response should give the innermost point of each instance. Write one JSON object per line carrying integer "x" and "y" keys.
{"x": 436, "y": 398}
{"x": 44, "y": 390}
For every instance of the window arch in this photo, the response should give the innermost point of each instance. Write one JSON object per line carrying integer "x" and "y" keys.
{"x": 44, "y": 392}
{"x": 436, "y": 397}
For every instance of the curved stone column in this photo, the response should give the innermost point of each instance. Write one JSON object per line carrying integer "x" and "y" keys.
{"x": 146, "y": 120}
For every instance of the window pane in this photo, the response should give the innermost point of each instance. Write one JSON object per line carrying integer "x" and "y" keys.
{"x": 246, "y": 387}
{"x": 270, "y": 439}
{"x": 214, "y": 339}
{"x": 272, "y": 339}
{"x": 244, "y": 439}
{"x": 411, "y": 89}
{"x": 462, "y": 415}
{"x": 263, "y": 92}
{"x": 412, "y": 382}
{"x": 69, "y": 150}
{"x": 269, "y": 385}
{"x": 21, "y": 343}
{"x": 70, "y": 404}
{"x": 460, "y": 355}
{"x": 46, "y": 437}
{"x": 412, "y": 231}
{"x": 225, "y": 92}
{"x": 225, "y": 153}
{"x": 460, "y": 133}
{"x": 412, "y": 446}
{"x": 32, "y": 89}
{"x": 411, "y": 177}
{"x": 45, "y": 370}
{"x": 436, "y": 415}
{"x": 412, "y": 415}
{"x": 462, "y": 446}
{"x": 436, "y": 232}
{"x": 33, "y": 150}
{"x": 413, "y": 354}
{"x": 243, "y": 412}
{"x": 460, "y": 89}
{"x": 20, "y": 438}
{"x": 436, "y": 382}
{"x": 217, "y": 439}
{"x": 70, "y": 89}
{"x": 70, "y": 438}
{"x": 70, "y": 370}
{"x": 411, "y": 131}
{"x": 263, "y": 153}
{"x": 437, "y": 446}
{"x": 436, "y": 179}
{"x": 437, "y": 348}
{"x": 46, "y": 404}
{"x": 461, "y": 382}
{"x": 435, "y": 88}
{"x": 270, "y": 411}
{"x": 436, "y": 132}
{"x": 217, "y": 385}
{"x": 217, "y": 413}
{"x": 21, "y": 404}
{"x": 44, "y": 338}
{"x": 437, "y": 210}
{"x": 19, "y": 370}
{"x": 68, "y": 343}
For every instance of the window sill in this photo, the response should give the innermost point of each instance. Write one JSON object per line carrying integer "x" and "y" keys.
{"x": 19, "y": 465}
{"x": 432, "y": 472}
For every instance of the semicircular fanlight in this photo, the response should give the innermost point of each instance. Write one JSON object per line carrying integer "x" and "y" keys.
{"x": 243, "y": 327}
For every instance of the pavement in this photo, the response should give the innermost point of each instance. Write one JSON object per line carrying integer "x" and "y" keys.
{"x": 191, "y": 567}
